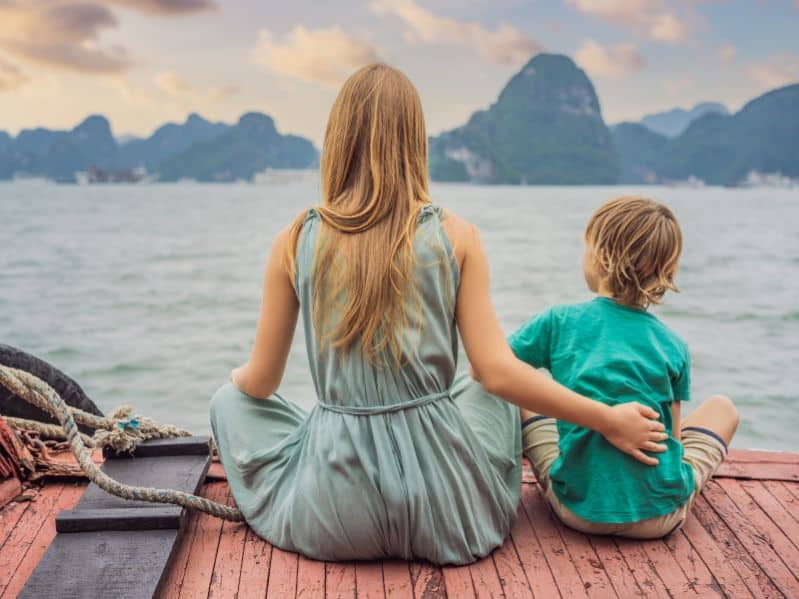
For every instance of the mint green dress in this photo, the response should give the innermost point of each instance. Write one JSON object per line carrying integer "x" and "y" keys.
{"x": 407, "y": 463}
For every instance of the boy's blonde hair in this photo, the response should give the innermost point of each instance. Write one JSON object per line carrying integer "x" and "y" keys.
{"x": 636, "y": 248}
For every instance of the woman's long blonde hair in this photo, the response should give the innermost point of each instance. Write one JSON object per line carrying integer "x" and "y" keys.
{"x": 374, "y": 182}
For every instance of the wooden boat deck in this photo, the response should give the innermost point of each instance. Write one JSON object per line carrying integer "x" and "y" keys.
{"x": 741, "y": 541}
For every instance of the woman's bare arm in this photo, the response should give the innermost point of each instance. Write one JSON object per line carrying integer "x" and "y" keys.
{"x": 630, "y": 427}
{"x": 260, "y": 376}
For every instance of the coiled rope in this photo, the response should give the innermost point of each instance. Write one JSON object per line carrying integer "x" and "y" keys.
{"x": 117, "y": 432}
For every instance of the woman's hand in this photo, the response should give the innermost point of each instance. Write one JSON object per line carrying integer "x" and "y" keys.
{"x": 633, "y": 429}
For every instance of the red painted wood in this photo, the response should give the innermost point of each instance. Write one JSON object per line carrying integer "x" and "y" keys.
{"x": 39, "y": 544}
{"x": 9, "y": 516}
{"x": 340, "y": 580}
{"x": 282, "y": 574}
{"x": 638, "y": 561}
{"x": 623, "y": 581}
{"x": 26, "y": 529}
{"x": 557, "y": 555}
{"x": 428, "y": 581}
{"x": 531, "y": 554}
{"x": 227, "y": 568}
{"x": 762, "y": 456}
{"x": 255, "y": 565}
{"x": 9, "y": 488}
{"x": 782, "y": 517}
{"x": 711, "y": 555}
{"x": 310, "y": 578}
{"x": 200, "y": 566}
{"x": 662, "y": 561}
{"x": 485, "y": 579}
{"x": 783, "y": 494}
{"x": 759, "y": 471}
{"x": 766, "y": 542}
{"x": 369, "y": 580}
{"x": 587, "y": 562}
{"x": 733, "y": 551}
{"x": 511, "y": 572}
{"x": 397, "y": 580}
{"x": 458, "y": 582}
{"x": 170, "y": 588}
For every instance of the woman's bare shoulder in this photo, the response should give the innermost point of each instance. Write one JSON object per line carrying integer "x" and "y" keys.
{"x": 460, "y": 231}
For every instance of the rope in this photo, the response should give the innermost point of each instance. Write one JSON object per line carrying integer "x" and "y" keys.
{"x": 40, "y": 394}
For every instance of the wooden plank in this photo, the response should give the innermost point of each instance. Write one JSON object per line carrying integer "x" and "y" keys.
{"x": 397, "y": 580}
{"x": 557, "y": 555}
{"x": 589, "y": 566}
{"x": 485, "y": 579}
{"x": 762, "y": 456}
{"x": 182, "y": 473}
{"x": 9, "y": 488}
{"x": 227, "y": 568}
{"x": 9, "y": 516}
{"x": 428, "y": 581}
{"x": 369, "y": 580}
{"x": 119, "y": 519}
{"x": 170, "y": 587}
{"x": 783, "y": 494}
{"x": 622, "y": 579}
{"x": 758, "y": 471}
{"x": 38, "y": 547}
{"x": 511, "y": 572}
{"x": 197, "y": 577}
{"x": 699, "y": 577}
{"x": 255, "y": 565}
{"x": 340, "y": 580}
{"x": 282, "y": 574}
{"x": 758, "y": 583}
{"x": 725, "y": 574}
{"x": 766, "y": 542}
{"x": 25, "y": 530}
{"x": 310, "y": 578}
{"x": 661, "y": 560}
{"x": 458, "y": 582}
{"x": 102, "y": 564}
{"x": 531, "y": 554}
{"x": 155, "y": 448}
{"x": 782, "y": 518}
{"x": 641, "y": 569}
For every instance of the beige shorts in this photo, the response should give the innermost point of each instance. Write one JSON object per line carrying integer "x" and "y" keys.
{"x": 702, "y": 449}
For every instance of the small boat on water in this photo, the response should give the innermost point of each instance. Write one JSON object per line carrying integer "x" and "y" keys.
{"x": 742, "y": 540}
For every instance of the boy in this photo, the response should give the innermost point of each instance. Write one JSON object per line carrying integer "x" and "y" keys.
{"x": 613, "y": 350}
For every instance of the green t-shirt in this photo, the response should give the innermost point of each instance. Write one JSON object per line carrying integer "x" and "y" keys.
{"x": 614, "y": 354}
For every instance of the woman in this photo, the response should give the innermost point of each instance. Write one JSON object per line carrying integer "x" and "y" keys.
{"x": 397, "y": 459}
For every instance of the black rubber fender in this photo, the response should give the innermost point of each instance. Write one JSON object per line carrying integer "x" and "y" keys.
{"x": 70, "y": 391}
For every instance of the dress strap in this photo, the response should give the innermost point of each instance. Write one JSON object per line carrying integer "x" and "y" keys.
{"x": 387, "y": 409}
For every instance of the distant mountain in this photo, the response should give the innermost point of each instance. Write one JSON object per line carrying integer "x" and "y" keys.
{"x": 673, "y": 122}
{"x": 127, "y": 138}
{"x": 250, "y": 146}
{"x": 59, "y": 154}
{"x": 198, "y": 149}
{"x": 169, "y": 140}
{"x": 546, "y": 127}
{"x": 720, "y": 150}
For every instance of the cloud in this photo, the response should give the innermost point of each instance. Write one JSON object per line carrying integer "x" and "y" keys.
{"x": 775, "y": 71}
{"x": 177, "y": 88}
{"x": 652, "y": 18}
{"x": 11, "y": 77}
{"x": 726, "y": 53}
{"x": 63, "y": 35}
{"x": 505, "y": 45}
{"x": 165, "y": 7}
{"x": 614, "y": 62}
{"x": 323, "y": 56}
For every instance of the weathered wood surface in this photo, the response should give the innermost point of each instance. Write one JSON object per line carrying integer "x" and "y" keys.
{"x": 742, "y": 540}
{"x": 112, "y": 547}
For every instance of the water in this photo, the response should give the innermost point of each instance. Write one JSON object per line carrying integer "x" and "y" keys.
{"x": 149, "y": 294}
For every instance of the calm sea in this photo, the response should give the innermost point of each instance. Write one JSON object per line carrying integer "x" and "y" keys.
{"x": 149, "y": 294}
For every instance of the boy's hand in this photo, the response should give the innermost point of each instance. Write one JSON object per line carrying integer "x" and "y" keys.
{"x": 633, "y": 429}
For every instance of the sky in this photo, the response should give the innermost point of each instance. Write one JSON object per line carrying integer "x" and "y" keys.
{"x": 145, "y": 62}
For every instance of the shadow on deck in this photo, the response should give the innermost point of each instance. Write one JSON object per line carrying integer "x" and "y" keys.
{"x": 741, "y": 541}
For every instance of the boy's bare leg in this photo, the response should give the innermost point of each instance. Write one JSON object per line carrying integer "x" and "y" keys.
{"x": 527, "y": 414}
{"x": 717, "y": 414}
